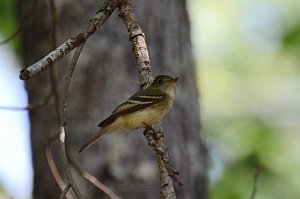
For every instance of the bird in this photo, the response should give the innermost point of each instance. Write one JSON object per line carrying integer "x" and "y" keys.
{"x": 143, "y": 109}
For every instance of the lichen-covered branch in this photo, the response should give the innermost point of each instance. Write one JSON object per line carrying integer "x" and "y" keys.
{"x": 101, "y": 16}
{"x": 137, "y": 37}
{"x": 156, "y": 140}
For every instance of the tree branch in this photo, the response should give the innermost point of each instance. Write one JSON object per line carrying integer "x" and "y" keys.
{"x": 99, "y": 185}
{"x": 101, "y": 16}
{"x": 156, "y": 140}
{"x": 31, "y": 106}
{"x": 137, "y": 37}
{"x": 63, "y": 194}
{"x": 53, "y": 76}
{"x": 63, "y": 123}
{"x": 55, "y": 172}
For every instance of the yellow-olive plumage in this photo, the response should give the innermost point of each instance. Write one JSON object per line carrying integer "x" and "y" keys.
{"x": 144, "y": 108}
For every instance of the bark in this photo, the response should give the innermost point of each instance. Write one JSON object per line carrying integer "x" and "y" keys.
{"x": 105, "y": 77}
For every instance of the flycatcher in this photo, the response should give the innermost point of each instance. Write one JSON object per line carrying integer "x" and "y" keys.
{"x": 143, "y": 109}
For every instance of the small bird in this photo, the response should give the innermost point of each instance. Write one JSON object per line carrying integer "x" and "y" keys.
{"x": 141, "y": 110}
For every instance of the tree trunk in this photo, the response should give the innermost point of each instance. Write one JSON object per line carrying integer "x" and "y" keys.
{"x": 106, "y": 76}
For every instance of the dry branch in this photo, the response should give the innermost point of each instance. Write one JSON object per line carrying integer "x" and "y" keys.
{"x": 156, "y": 140}
{"x": 63, "y": 122}
{"x": 55, "y": 172}
{"x": 137, "y": 37}
{"x": 99, "y": 185}
{"x": 101, "y": 16}
{"x": 31, "y": 106}
{"x": 63, "y": 194}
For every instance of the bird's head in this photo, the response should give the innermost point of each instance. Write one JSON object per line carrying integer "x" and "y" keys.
{"x": 165, "y": 83}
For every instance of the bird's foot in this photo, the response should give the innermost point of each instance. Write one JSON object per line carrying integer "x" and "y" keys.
{"x": 151, "y": 131}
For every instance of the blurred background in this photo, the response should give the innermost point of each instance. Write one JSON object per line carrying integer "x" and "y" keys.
{"x": 247, "y": 54}
{"x": 248, "y": 61}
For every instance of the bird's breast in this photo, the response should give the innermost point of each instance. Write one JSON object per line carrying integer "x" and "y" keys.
{"x": 150, "y": 116}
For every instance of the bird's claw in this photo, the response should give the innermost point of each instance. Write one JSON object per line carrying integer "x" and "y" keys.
{"x": 151, "y": 131}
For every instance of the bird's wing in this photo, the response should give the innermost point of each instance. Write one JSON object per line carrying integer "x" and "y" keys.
{"x": 136, "y": 102}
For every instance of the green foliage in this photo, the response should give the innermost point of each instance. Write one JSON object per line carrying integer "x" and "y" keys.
{"x": 7, "y": 17}
{"x": 292, "y": 36}
{"x": 248, "y": 67}
{"x": 8, "y": 22}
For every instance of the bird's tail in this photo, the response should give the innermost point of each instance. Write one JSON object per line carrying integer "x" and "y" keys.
{"x": 93, "y": 139}
{"x": 115, "y": 126}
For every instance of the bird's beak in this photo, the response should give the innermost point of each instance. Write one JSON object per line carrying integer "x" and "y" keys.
{"x": 174, "y": 80}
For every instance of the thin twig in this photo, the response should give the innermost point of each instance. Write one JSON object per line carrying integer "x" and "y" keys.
{"x": 24, "y": 21}
{"x": 54, "y": 17}
{"x": 63, "y": 121}
{"x": 55, "y": 172}
{"x": 63, "y": 194}
{"x": 101, "y": 16}
{"x": 255, "y": 180}
{"x": 54, "y": 92}
{"x": 92, "y": 179}
{"x": 137, "y": 37}
{"x": 32, "y": 106}
{"x": 53, "y": 75}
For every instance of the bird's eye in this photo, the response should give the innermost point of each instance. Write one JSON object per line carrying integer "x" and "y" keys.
{"x": 159, "y": 81}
